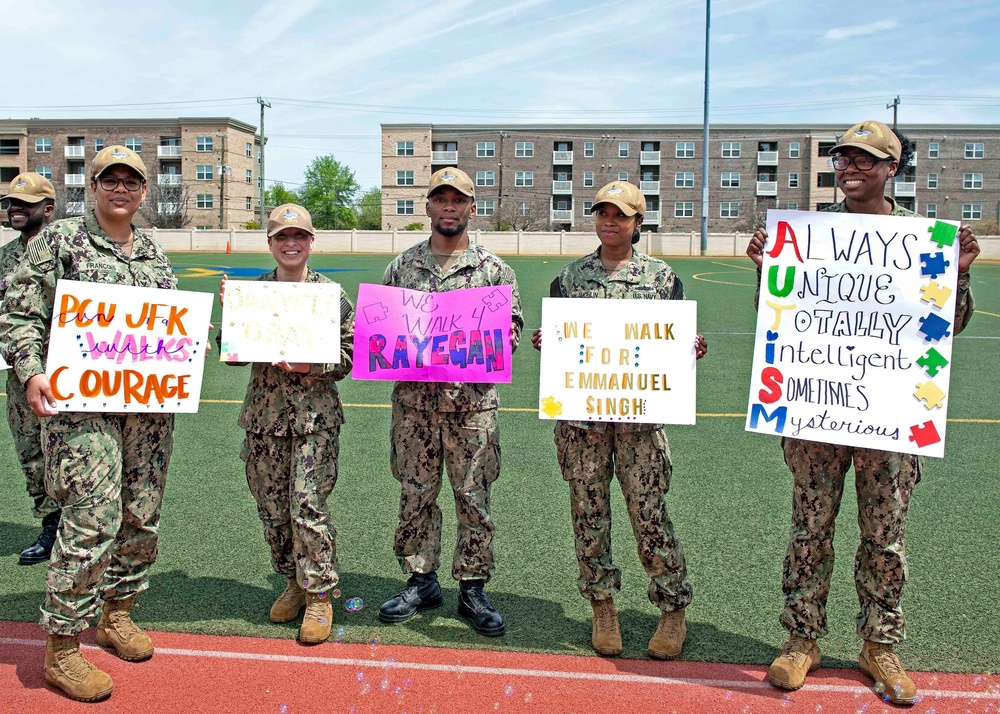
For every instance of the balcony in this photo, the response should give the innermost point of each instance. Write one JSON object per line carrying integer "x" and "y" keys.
{"x": 75, "y": 208}
{"x": 905, "y": 189}
{"x": 168, "y": 152}
{"x": 168, "y": 179}
{"x": 75, "y": 152}
{"x": 650, "y": 187}
{"x": 649, "y": 158}
{"x": 75, "y": 179}
{"x": 651, "y": 218}
{"x": 767, "y": 188}
{"x": 561, "y": 215}
{"x": 562, "y": 157}
{"x": 767, "y": 158}
{"x": 444, "y": 157}
{"x": 562, "y": 187}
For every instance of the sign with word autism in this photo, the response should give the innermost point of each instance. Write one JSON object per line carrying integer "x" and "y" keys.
{"x": 618, "y": 360}
{"x": 117, "y": 348}
{"x": 271, "y": 321}
{"x": 855, "y": 329}
{"x": 453, "y": 336}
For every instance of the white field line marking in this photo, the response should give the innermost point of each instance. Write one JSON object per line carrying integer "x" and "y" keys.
{"x": 509, "y": 672}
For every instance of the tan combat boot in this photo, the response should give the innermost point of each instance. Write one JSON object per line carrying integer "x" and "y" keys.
{"x": 66, "y": 669}
{"x": 799, "y": 656}
{"x": 606, "y": 636}
{"x": 289, "y": 604}
{"x": 879, "y": 662}
{"x": 116, "y": 630}
{"x": 668, "y": 639}
{"x": 318, "y": 619}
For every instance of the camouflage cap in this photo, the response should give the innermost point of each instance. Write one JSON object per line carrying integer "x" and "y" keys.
{"x": 456, "y": 178}
{"x": 114, "y": 156}
{"x": 624, "y": 195}
{"x": 289, "y": 215}
{"x": 872, "y": 136}
{"x": 30, "y": 188}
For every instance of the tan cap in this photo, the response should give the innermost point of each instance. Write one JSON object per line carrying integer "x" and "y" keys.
{"x": 289, "y": 215}
{"x": 30, "y": 188}
{"x": 114, "y": 156}
{"x": 872, "y": 136}
{"x": 623, "y": 194}
{"x": 456, "y": 178}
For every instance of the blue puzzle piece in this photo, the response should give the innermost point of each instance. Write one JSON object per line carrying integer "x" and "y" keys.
{"x": 934, "y": 264}
{"x": 933, "y": 361}
{"x": 934, "y": 327}
{"x": 943, "y": 233}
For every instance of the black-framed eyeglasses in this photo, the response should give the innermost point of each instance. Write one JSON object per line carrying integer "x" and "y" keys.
{"x": 864, "y": 162}
{"x": 110, "y": 183}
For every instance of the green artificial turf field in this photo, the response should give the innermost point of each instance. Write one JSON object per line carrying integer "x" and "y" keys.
{"x": 729, "y": 501}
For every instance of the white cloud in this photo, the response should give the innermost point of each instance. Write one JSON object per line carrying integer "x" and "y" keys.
{"x": 272, "y": 21}
{"x": 844, "y": 33}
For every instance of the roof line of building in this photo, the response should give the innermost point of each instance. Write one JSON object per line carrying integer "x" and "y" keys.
{"x": 660, "y": 127}
{"x": 16, "y": 124}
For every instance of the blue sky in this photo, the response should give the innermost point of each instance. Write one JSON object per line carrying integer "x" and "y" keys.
{"x": 333, "y": 71}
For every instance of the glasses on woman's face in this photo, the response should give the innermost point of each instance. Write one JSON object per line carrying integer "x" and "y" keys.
{"x": 110, "y": 183}
{"x": 864, "y": 162}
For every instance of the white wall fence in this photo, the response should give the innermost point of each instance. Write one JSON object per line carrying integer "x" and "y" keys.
{"x": 500, "y": 242}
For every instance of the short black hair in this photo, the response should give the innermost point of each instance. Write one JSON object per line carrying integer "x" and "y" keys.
{"x": 907, "y": 150}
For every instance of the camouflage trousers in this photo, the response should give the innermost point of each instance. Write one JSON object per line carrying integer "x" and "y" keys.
{"x": 884, "y": 481}
{"x": 291, "y": 478}
{"x": 27, "y": 433}
{"x": 589, "y": 459}
{"x": 468, "y": 444}
{"x": 107, "y": 473}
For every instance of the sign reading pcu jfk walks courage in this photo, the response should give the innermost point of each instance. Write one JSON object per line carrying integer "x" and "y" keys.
{"x": 854, "y": 330}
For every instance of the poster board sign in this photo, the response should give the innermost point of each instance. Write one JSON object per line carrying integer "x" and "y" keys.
{"x": 119, "y": 348}
{"x": 3, "y": 365}
{"x": 452, "y": 336}
{"x": 618, "y": 360}
{"x": 854, "y": 330}
{"x": 271, "y": 321}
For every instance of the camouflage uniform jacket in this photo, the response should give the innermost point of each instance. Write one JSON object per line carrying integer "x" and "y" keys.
{"x": 70, "y": 249}
{"x": 964, "y": 303}
{"x": 10, "y": 258}
{"x": 643, "y": 278}
{"x": 280, "y": 403}
{"x": 418, "y": 269}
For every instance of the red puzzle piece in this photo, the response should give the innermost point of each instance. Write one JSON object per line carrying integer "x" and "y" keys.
{"x": 924, "y": 434}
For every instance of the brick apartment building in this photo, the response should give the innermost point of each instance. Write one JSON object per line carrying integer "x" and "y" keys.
{"x": 183, "y": 157}
{"x": 545, "y": 177}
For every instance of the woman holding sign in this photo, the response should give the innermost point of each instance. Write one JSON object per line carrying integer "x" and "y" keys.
{"x": 591, "y": 453}
{"x": 106, "y": 471}
{"x": 292, "y": 416}
{"x": 867, "y": 157}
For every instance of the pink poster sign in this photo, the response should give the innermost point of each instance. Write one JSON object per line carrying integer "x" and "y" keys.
{"x": 454, "y": 336}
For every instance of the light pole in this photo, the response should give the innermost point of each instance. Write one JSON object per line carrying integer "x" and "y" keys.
{"x": 222, "y": 182}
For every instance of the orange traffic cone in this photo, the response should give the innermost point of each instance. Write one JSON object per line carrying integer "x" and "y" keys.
{"x": 229, "y": 248}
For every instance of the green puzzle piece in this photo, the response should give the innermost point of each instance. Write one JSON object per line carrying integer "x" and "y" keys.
{"x": 943, "y": 233}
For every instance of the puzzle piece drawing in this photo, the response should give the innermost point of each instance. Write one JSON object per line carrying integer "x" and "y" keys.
{"x": 934, "y": 292}
{"x": 494, "y": 301}
{"x": 930, "y": 394}
{"x": 933, "y": 264}
{"x": 551, "y": 407}
{"x": 932, "y": 362}
{"x": 375, "y": 312}
{"x": 924, "y": 434}
{"x": 934, "y": 327}
{"x": 943, "y": 233}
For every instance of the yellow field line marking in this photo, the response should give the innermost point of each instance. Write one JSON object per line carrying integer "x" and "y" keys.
{"x": 983, "y": 312}
{"x": 697, "y": 276}
{"x": 737, "y": 267}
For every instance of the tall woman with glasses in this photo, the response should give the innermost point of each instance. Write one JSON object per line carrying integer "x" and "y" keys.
{"x": 867, "y": 157}
{"x": 106, "y": 471}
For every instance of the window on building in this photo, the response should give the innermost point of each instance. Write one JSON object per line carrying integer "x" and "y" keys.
{"x": 793, "y": 179}
{"x": 684, "y": 150}
{"x": 730, "y": 179}
{"x": 561, "y": 176}
{"x": 404, "y": 207}
{"x": 972, "y": 181}
{"x": 10, "y": 146}
{"x": 524, "y": 208}
{"x": 588, "y": 179}
{"x": 975, "y": 150}
{"x": 7, "y": 173}
{"x": 99, "y": 144}
{"x": 826, "y": 179}
{"x": 43, "y": 146}
{"x": 588, "y": 149}
{"x": 623, "y": 175}
{"x": 932, "y": 180}
{"x": 404, "y": 148}
{"x": 587, "y": 205}
{"x": 486, "y": 206}
{"x": 524, "y": 178}
{"x": 649, "y": 146}
{"x": 134, "y": 143}
{"x": 683, "y": 209}
{"x": 486, "y": 149}
{"x": 249, "y": 205}
{"x": 204, "y": 143}
{"x": 524, "y": 149}
{"x": 933, "y": 150}
{"x": 793, "y": 206}
{"x": 44, "y": 171}
{"x": 730, "y": 149}
{"x": 931, "y": 210}
{"x": 486, "y": 178}
{"x": 793, "y": 149}
{"x": 729, "y": 209}
{"x": 204, "y": 172}
{"x": 205, "y": 200}
{"x": 972, "y": 211}
{"x": 562, "y": 146}
{"x": 684, "y": 179}
{"x": 404, "y": 178}
{"x": 562, "y": 205}
{"x": 249, "y": 150}
{"x": 623, "y": 149}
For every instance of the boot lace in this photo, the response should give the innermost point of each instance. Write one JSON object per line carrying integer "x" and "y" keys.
{"x": 314, "y": 610}
{"x": 74, "y": 665}
{"x": 122, "y": 623}
{"x": 605, "y": 617}
{"x": 670, "y": 625}
{"x": 887, "y": 660}
{"x": 796, "y": 648}
{"x": 290, "y": 595}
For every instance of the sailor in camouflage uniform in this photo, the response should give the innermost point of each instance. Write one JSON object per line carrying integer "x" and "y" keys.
{"x": 591, "y": 453}
{"x": 30, "y": 205}
{"x": 292, "y": 416}
{"x": 106, "y": 471}
{"x": 868, "y": 156}
{"x": 450, "y": 424}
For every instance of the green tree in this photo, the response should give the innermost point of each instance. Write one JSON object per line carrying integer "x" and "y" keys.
{"x": 370, "y": 210}
{"x": 329, "y": 194}
{"x": 278, "y": 195}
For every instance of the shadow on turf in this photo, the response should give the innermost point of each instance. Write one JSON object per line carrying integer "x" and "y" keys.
{"x": 15, "y": 537}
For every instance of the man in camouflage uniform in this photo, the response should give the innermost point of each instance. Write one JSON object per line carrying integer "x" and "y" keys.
{"x": 292, "y": 416}
{"x": 868, "y": 156}
{"x": 453, "y": 424}
{"x": 591, "y": 453}
{"x": 106, "y": 471}
{"x": 30, "y": 205}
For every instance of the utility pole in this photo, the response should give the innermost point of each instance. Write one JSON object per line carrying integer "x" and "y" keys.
{"x": 894, "y": 105}
{"x": 499, "y": 214}
{"x": 704, "y": 161}
{"x": 260, "y": 173}
{"x": 222, "y": 183}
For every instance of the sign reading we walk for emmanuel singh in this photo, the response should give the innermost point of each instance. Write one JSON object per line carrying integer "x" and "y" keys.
{"x": 855, "y": 329}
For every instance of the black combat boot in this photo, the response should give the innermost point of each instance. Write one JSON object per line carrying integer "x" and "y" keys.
{"x": 474, "y": 605}
{"x": 422, "y": 592}
{"x": 39, "y": 551}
